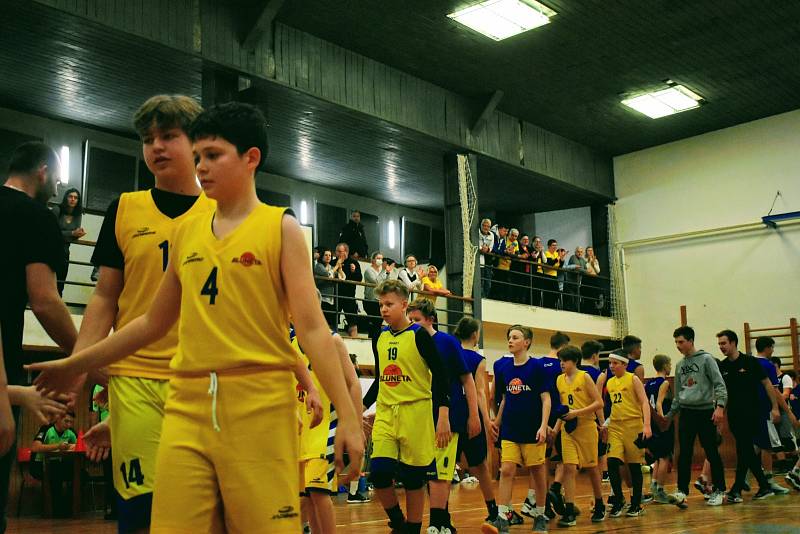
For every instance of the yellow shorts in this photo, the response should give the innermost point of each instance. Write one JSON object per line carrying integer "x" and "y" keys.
{"x": 404, "y": 432}
{"x": 579, "y": 447}
{"x": 524, "y": 454}
{"x": 138, "y": 408}
{"x": 320, "y": 475}
{"x": 621, "y": 437}
{"x": 446, "y": 460}
{"x": 250, "y": 464}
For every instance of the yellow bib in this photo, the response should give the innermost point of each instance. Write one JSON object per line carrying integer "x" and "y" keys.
{"x": 624, "y": 405}
{"x": 404, "y": 375}
{"x": 575, "y": 395}
{"x": 233, "y": 306}
{"x": 143, "y": 234}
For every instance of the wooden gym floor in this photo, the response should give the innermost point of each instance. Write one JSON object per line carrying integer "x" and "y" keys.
{"x": 776, "y": 515}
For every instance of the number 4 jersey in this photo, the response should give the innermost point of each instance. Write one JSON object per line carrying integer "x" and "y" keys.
{"x": 233, "y": 305}
{"x": 143, "y": 234}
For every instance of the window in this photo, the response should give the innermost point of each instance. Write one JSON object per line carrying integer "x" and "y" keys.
{"x": 108, "y": 174}
{"x": 330, "y": 220}
{"x": 416, "y": 240}
{"x": 372, "y": 230}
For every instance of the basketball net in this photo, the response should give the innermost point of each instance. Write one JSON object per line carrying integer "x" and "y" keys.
{"x": 468, "y": 200}
{"x": 619, "y": 308}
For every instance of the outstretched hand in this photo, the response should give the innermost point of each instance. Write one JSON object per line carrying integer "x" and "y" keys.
{"x": 98, "y": 441}
{"x": 55, "y": 376}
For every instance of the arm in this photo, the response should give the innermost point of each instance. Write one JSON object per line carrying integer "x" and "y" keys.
{"x": 720, "y": 391}
{"x": 480, "y": 389}
{"x": 473, "y": 422}
{"x": 773, "y": 399}
{"x": 676, "y": 400}
{"x": 439, "y": 381}
{"x": 541, "y": 434}
{"x": 372, "y": 393}
{"x": 48, "y": 307}
{"x": 42, "y": 408}
{"x": 639, "y": 371}
{"x": 662, "y": 394}
{"x": 313, "y": 402}
{"x": 350, "y": 376}
{"x": 595, "y": 406}
{"x": 641, "y": 397}
{"x": 38, "y": 446}
{"x": 315, "y": 337}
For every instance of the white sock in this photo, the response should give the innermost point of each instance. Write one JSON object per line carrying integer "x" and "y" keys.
{"x": 503, "y": 509}
{"x": 538, "y": 511}
{"x": 532, "y": 495}
{"x": 354, "y": 487}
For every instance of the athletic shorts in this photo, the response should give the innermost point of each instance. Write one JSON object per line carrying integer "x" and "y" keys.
{"x": 767, "y": 437}
{"x": 579, "y": 447}
{"x": 138, "y": 408}
{"x": 475, "y": 450}
{"x": 621, "y": 438}
{"x": 320, "y": 475}
{"x": 523, "y": 454}
{"x": 662, "y": 445}
{"x": 404, "y": 432}
{"x": 249, "y": 462}
{"x": 446, "y": 459}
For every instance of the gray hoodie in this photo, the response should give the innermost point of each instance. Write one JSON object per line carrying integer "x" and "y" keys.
{"x": 698, "y": 384}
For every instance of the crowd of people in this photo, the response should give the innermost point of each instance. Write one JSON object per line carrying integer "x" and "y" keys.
{"x": 515, "y": 268}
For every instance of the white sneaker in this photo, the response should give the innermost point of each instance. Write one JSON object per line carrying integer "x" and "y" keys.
{"x": 777, "y": 489}
{"x": 432, "y": 530}
{"x": 527, "y": 508}
{"x": 716, "y": 498}
{"x": 677, "y": 498}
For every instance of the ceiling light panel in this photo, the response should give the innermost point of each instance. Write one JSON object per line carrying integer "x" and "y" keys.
{"x": 501, "y": 19}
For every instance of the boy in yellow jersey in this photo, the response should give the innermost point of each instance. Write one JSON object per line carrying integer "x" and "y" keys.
{"x": 629, "y": 427}
{"x": 234, "y": 277}
{"x": 579, "y": 434}
{"x": 408, "y": 369}
{"x": 132, "y": 252}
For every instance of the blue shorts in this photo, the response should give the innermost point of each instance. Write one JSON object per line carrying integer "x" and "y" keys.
{"x": 475, "y": 450}
{"x": 134, "y": 513}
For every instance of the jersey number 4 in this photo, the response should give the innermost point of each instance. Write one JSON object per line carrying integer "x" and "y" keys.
{"x": 132, "y": 474}
{"x": 210, "y": 287}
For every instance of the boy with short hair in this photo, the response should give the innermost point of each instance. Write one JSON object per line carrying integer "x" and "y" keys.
{"x": 409, "y": 373}
{"x": 628, "y": 428}
{"x": 235, "y": 276}
{"x": 661, "y": 445}
{"x": 578, "y": 431}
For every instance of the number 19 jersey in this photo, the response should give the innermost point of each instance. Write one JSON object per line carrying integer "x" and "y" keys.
{"x": 404, "y": 375}
{"x": 233, "y": 305}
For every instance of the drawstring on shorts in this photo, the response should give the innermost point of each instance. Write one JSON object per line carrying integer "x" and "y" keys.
{"x": 212, "y": 390}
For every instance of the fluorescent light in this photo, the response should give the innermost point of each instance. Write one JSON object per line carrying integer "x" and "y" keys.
{"x": 391, "y": 234}
{"x": 64, "y": 177}
{"x": 664, "y": 102}
{"x": 303, "y": 212}
{"x": 500, "y": 19}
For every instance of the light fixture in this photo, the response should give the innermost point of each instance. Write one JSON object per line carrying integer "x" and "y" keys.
{"x": 500, "y": 19}
{"x": 64, "y": 177}
{"x": 391, "y": 234}
{"x": 661, "y": 103}
{"x": 303, "y": 212}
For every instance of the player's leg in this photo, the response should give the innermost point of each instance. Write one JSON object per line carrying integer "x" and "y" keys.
{"x": 535, "y": 461}
{"x": 439, "y": 486}
{"x": 476, "y": 452}
{"x": 323, "y": 512}
{"x": 417, "y": 450}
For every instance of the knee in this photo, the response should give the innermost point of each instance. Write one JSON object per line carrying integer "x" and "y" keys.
{"x": 382, "y": 472}
{"x": 614, "y": 463}
{"x": 413, "y": 477}
{"x": 508, "y": 469}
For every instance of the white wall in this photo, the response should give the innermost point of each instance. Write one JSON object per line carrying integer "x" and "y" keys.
{"x": 571, "y": 228}
{"x": 720, "y": 179}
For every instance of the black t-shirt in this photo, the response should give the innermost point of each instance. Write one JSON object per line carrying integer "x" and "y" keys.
{"x": 107, "y": 252}
{"x": 743, "y": 378}
{"x": 36, "y": 238}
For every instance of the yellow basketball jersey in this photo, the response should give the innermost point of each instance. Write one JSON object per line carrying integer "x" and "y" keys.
{"x": 144, "y": 236}
{"x": 404, "y": 375}
{"x": 575, "y": 395}
{"x": 624, "y": 405}
{"x": 313, "y": 441}
{"x": 233, "y": 306}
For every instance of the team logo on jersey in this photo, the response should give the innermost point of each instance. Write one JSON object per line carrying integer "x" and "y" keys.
{"x": 247, "y": 259}
{"x": 392, "y": 376}
{"x": 143, "y": 231}
{"x": 192, "y": 258}
{"x": 516, "y": 386}
{"x": 285, "y": 512}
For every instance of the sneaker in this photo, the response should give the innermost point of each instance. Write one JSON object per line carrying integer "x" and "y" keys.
{"x": 515, "y": 518}
{"x": 540, "y": 523}
{"x": 599, "y": 514}
{"x": 498, "y": 526}
{"x": 677, "y": 498}
{"x": 557, "y": 501}
{"x": 777, "y": 489}
{"x": 548, "y": 509}
{"x": 617, "y": 509}
{"x": 647, "y": 498}
{"x": 568, "y": 521}
{"x": 527, "y": 508}
{"x": 634, "y": 512}
{"x": 606, "y": 478}
{"x": 306, "y": 529}
{"x": 793, "y": 480}
{"x": 746, "y": 487}
{"x": 661, "y": 497}
{"x": 763, "y": 493}
{"x": 716, "y": 498}
{"x": 700, "y": 485}
{"x": 357, "y": 498}
{"x": 432, "y": 530}
{"x": 734, "y": 497}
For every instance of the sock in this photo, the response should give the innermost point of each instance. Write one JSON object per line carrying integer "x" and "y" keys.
{"x": 354, "y": 487}
{"x": 616, "y": 481}
{"x": 570, "y": 509}
{"x": 532, "y": 495}
{"x": 396, "y": 515}
{"x": 413, "y": 528}
{"x": 503, "y": 510}
{"x": 636, "y": 481}
{"x": 556, "y": 487}
{"x": 598, "y": 504}
{"x": 439, "y": 517}
{"x": 538, "y": 511}
{"x": 491, "y": 507}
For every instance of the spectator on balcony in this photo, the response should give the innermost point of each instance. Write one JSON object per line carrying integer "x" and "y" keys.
{"x": 578, "y": 266}
{"x": 347, "y": 268}
{"x": 486, "y": 239}
{"x": 521, "y": 271}
{"x": 591, "y": 293}
{"x": 412, "y": 275}
{"x": 537, "y": 282}
{"x": 377, "y": 272}
{"x": 501, "y": 272}
{"x": 317, "y": 253}
{"x": 552, "y": 258}
{"x": 432, "y": 284}
{"x": 69, "y": 214}
{"x": 353, "y": 235}
{"x": 327, "y": 290}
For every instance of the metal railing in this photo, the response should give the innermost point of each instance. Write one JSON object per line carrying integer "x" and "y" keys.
{"x": 527, "y": 282}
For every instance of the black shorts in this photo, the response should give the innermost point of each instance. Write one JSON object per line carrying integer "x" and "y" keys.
{"x": 475, "y": 450}
{"x": 662, "y": 445}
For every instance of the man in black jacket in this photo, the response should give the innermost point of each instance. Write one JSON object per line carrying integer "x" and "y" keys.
{"x": 353, "y": 234}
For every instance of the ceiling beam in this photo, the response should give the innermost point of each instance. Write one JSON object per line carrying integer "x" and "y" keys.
{"x": 488, "y": 109}
{"x": 262, "y": 27}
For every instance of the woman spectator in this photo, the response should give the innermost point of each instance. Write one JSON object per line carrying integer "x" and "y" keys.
{"x": 374, "y": 275}
{"x": 69, "y": 214}
{"x": 412, "y": 275}
{"x": 523, "y": 270}
{"x": 323, "y": 269}
{"x": 538, "y": 283}
{"x": 591, "y": 285}
{"x": 432, "y": 284}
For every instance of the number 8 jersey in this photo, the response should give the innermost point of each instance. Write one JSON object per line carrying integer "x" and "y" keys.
{"x": 233, "y": 307}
